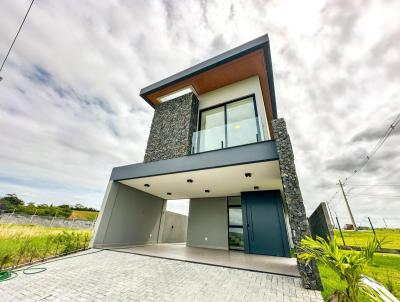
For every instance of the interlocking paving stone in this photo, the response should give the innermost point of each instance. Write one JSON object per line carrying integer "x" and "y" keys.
{"x": 114, "y": 276}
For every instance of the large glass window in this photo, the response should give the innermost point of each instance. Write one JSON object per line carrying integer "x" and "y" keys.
{"x": 231, "y": 124}
{"x": 235, "y": 221}
{"x": 213, "y": 121}
{"x": 242, "y": 125}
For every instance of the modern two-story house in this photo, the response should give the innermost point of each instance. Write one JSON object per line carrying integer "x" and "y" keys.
{"x": 215, "y": 139}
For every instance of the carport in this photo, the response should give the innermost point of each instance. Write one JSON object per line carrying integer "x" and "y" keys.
{"x": 217, "y": 184}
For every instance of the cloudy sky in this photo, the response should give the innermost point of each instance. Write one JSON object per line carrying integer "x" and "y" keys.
{"x": 70, "y": 108}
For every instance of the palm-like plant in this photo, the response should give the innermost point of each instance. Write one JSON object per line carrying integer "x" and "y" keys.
{"x": 349, "y": 265}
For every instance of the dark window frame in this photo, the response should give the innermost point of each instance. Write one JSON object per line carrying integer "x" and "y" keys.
{"x": 253, "y": 96}
{"x": 233, "y": 225}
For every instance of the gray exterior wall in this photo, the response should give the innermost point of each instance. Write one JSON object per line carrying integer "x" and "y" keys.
{"x": 257, "y": 152}
{"x": 208, "y": 218}
{"x": 174, "y": 228}
{"x": 172, "y": 128}
{"x": 294, "y": 201}
{"x": 128, "y": 217}
{"x": 320, "y": 222}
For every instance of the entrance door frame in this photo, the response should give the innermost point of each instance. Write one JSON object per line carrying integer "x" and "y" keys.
{"x": 281, "y": 218}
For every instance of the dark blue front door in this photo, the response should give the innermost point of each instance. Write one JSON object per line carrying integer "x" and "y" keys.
{"x": 265, "y": 224}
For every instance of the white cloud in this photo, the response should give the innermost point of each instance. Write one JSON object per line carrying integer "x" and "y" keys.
{"x": 336, "y": 68}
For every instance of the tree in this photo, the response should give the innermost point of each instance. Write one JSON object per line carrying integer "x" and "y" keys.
{"x": 13, "y": 200}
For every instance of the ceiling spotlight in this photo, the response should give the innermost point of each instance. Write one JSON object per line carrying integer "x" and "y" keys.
{"x": 168, "y": 193}
{"x": 189, "y": 180}
{"x": 256, "y": 187}
{"x": 247, "y": 174}
{"x": 207, "y": 191}
{"x": 146, "y": 185}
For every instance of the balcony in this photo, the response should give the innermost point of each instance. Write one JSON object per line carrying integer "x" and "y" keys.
{"x": 233, "y": 134}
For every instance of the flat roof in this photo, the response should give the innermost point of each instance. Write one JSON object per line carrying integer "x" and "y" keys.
{"x": 237, "y": 58}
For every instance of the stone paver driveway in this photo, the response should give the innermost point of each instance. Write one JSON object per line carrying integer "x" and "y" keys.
{"x": 115, "y": 276}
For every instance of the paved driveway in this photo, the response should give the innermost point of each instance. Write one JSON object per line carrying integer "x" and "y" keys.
{"x": 115, "y": 276}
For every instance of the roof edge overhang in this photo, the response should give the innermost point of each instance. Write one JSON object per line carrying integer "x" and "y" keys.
{"x": 230, "y": 55}
{"x": 239, "y": 155}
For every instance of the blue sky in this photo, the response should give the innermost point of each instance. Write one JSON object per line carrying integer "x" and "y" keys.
{"x": 70, "y": 108}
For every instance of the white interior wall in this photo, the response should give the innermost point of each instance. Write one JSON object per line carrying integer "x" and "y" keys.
{"x": 234, "y": 91}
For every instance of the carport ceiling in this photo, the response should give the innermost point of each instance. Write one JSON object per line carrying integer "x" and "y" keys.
{"x": 225, "y": 181}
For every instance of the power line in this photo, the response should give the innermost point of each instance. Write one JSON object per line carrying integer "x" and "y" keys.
{"x": 376, "y": 147}
{"x": 380, "y": 196}
{"x": 371, "y": 154}
{"x": 376, "y": 185}
{"x": 15, "y": 38}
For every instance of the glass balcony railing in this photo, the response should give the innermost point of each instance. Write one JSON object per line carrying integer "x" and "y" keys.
{"x": 229, "y": 135}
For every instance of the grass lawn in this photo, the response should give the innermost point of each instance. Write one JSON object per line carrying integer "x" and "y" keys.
{"x": 360, "y": 238}
{"x": 385, "y": 268}
{"x": 24, "y": 243}
{"x": 84, "y": 215}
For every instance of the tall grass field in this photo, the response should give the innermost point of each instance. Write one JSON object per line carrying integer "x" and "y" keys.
{"x": 25, "y": 243}
{"x": 84, "y": 215}
{"x": 390, "y": 237}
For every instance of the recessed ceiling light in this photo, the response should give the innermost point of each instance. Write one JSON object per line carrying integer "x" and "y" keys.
{"x": 189, "y": 180}
{"x": 256, "y": 187}
{"x": 168, "y": 193}
{"x": 207, "y": 191}
{"x": 247, "y": 174}
{"x": 146, "y": 185}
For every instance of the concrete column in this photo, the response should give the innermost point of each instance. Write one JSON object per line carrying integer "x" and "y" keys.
{"x": 294, "y": 200}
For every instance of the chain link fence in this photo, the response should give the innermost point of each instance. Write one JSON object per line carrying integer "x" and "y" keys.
{"x": 49, "y": 221}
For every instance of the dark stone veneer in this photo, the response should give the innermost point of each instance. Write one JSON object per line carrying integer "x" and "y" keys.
{"x": 294, "y": 200}
{"x": 174, "y": 122}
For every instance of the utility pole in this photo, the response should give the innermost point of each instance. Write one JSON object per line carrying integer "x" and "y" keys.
{"x": 348, "y": 206}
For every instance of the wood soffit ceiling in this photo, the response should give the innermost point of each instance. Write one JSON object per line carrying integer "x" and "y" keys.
{"x": 228, "y": 73}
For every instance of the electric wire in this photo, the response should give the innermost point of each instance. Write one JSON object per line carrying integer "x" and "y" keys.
{"x": 380, "y": 143}
{"x": 15, "y": 38}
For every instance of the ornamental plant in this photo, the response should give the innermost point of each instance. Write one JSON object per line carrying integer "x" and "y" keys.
{"x": 348, "y": 265}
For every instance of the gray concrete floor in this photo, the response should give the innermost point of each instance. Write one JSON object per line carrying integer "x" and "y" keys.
{"x": 231, "y": 259}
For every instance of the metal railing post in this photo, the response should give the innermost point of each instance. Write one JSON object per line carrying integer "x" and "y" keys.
{"x": 373, "y": 230}
{"x": 340, "y": 230}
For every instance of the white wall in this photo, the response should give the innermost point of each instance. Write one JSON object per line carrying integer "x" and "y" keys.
{"x": 234, "y": 91}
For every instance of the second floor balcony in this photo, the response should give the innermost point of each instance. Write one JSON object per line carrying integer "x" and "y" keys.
{"x": 236, "y": 133}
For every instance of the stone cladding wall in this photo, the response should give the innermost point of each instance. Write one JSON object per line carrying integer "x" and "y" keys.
{"x": 294, "y": 201}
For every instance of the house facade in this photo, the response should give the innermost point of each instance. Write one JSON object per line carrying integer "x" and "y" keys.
{"x": 215, "y": 139}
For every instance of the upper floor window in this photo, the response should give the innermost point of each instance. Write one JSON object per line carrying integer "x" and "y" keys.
{"x": 231, "y": 124}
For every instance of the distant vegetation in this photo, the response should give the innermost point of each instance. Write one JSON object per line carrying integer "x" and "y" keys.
{"x": 12, "y": 202}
